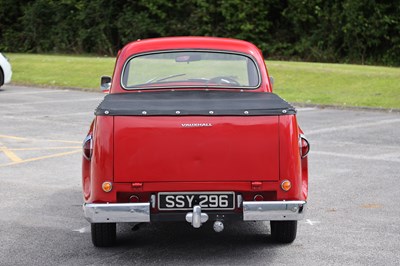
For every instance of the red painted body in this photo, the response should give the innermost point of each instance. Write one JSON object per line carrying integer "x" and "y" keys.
{"x": 145, "y": 155}
{"x": 198, "y": 154}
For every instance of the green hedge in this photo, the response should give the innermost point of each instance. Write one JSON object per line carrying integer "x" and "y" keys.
{"x": 351, "y": 31}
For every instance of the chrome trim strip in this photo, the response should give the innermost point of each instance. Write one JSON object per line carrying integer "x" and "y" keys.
{"x": 273, "y": 210}
{"x": 117, "y": 212}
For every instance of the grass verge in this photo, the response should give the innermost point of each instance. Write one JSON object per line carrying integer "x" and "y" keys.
{"x": 337, "y": 84}
{"x": 60, "y": 70}
{"x": 309, "y": 83}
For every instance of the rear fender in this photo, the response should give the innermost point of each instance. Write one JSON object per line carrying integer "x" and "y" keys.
{"x": 290, "y": 164}
{"x": 86, "y": 171}
{"x": 101, "y": 163}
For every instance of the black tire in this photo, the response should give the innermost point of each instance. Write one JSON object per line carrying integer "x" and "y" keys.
{"x": 284, "y": 231}
{"x": 104, "y": 234}
{"x": 1, "y": 77}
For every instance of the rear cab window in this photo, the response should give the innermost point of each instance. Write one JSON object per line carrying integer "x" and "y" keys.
{"x": 174, "y": 69}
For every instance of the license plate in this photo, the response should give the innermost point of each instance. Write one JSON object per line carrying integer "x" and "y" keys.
{"x": 187, "y": 200}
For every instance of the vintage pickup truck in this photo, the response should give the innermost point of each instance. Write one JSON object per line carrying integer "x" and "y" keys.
{"x": 191, "y": 131}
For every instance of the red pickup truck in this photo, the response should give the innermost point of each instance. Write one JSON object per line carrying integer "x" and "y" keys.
{"x": 191, "y": 131}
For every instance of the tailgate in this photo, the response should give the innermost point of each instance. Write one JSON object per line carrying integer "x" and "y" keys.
{"x": 196, "y": 148}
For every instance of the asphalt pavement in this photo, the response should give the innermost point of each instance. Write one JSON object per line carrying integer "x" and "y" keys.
{"x": 353, "y": 213}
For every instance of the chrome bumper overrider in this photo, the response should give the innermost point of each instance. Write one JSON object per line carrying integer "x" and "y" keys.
{"x": 273, "y": 210}
{"x": 117, "y": 212}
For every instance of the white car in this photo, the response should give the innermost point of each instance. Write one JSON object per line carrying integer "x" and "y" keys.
{"x": 5, "y": 70}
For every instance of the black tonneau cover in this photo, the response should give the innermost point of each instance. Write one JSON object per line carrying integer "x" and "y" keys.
{"x": 178, "y": 103}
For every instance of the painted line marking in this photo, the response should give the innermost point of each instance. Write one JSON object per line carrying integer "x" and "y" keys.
{"x": 358, "y": 156}
{"x": 370, "y": 124}
{"x": 51, "y": 102}
{"x": 82, "y": 230}
{"x": 15, "y": 159}
{"x": 66, "y": 141}
{"x": 41, "y": 158}
{"x": 306, "y": 109}
{"x": 372, "y": 206}
{"x": 46, "y": 148}
{"x": 61, "y": 115}
{"x": 33, "y": 92}
{"x": 310, "y": 222}
{"x": 11, "y": 137}
{"x": 11, "y": 155}
{"x": 388, "y": 156}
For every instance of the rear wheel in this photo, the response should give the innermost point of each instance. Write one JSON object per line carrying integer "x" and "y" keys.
{"x": 1, "y": 77}
{"x": 284, "y": 231}
{"x": 104, "y": 234}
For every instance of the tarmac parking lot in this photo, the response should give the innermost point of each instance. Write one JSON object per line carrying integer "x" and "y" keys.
{"x": 353, "y": 215}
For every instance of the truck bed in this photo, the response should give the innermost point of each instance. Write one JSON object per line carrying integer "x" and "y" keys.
{"x": 195, "y": 135}
{"x": 195, "y": 149}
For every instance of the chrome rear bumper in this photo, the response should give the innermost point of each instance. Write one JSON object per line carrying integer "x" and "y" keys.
{"x": 273, "y": 210}
{"x": 117, "y": 212}
{"x": 140, "y": 212}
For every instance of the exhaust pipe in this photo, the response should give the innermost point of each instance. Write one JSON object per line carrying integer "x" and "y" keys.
{"x": 218, "y": 226}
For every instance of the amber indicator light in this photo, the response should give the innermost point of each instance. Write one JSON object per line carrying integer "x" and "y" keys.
{"x": 286, "y": 185}
{"x": 107, "y": 186}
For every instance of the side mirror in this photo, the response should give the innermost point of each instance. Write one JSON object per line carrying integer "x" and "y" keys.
{"x": 105, "y": 84}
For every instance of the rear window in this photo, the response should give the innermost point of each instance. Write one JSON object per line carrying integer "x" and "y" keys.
{"x": 174, "y": 69}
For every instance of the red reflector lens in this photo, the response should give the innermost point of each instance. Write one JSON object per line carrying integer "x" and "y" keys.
{"x": 134, "y": 199}
{"x": 258, "y": 197}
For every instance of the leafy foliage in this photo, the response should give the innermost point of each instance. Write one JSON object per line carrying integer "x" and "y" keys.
{"x": 356, "y": 31}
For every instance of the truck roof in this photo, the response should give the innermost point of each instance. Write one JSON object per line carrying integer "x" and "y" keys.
{"x": 214, "y": 43}
{"x": 189, "y": 43}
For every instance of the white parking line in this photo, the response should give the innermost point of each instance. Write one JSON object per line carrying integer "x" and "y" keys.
{"x": 83, "y": 230}
{"x": 353, "y": 126}
{"x": 359, "y": 156}
{"x": 306, "y": 109}
{"x": 62, "y": 115}
{"x": 32, "y": 92}
{"x": 51, "y": 102}
{"x": 310, "y": 222}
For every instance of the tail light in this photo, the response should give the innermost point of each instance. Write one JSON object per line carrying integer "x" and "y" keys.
{"x": 304, "y": 146}
{"x": 87, "y": 148}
